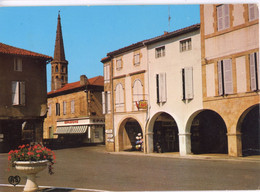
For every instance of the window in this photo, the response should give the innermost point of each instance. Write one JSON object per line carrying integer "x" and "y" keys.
{"x": 161, "y": 87}
{"x": 49, "y": 109}
{"x": 136, "y": 58}
{"x": 106, "y": 102}
{"x": 187, "y": 83}
{"x": 64, "y": 107}
{"x": 253, "y": 12}
{"x": 119, "y": 92}
{"x": 106, "y": 73}
{"x": 185, "y": 45}
{"x": 254, "y": 71}
{"x": 18, "y": 64}
{"x": 137, "y": 92}
{"x": 72, "y": 106}
{"x": 225, "y": 78}
{"x": 18, "y": 93}
{"x": 56, "y": 69}
{"x": 57, "y": 109}
{"x": 223, "y": 17}
{"x": 160, "y": 52}
{"x": 119, "y": 64}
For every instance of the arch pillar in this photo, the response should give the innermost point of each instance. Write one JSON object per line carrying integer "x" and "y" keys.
{"x": 234, "y": 144}
{"x": 184, "y": 143}
{"x": 149, "y": 142}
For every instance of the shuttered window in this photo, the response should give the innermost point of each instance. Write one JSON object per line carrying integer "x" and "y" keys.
{"x": 72, "y": 106}
{"x": 57, "y": 109}
{"x": 137, "y": 59}
{"x": 254, "y": 71}
{"x": 161, "y": 88}
{"x": 160, "y": 52}
{"x": 18, "y": 64}
{"x": 137, "y": 92}
{"x": 106, "y": 102}
{"x": 49, "y": 109}
{"x": 64, "y": 107}
{"x": 119, "y": 64}
{"x": 187, "y": 82}
{"x": 106, "y": 73}
{"x": 225, "y": 77}
{"x": 119, "y": 92}
{"x": 253, "y": 12}
{"x": 223, "y": 17}
{"x": 18, "y": 93}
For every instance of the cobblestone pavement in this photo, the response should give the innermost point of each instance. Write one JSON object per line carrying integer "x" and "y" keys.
{"x": 91, "y": 168}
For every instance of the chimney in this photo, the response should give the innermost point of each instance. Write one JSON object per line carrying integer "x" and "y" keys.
{"x": 83, "y": 80}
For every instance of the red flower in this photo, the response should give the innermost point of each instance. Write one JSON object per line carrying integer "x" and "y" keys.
{"x": 38, "y": 155}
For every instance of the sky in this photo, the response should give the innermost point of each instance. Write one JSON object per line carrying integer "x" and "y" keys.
{"x": 89, "y": 32}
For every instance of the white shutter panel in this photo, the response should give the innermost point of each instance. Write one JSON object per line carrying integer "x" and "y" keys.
{"x": 188, "y": 83}
{"x": 226, "y": 18}
{"x": 220, "y": 17}
{"x": 228, "y": 78}
{"x": 220, "y": 83}
{"x": 108, "y": 72}
{"x": 72, "y": 107}
{"x": 22, "y": 93}
{"x": 251, "y": 9}
{"x": 121, "y": 97}
{"x": 162, "y": 84}
{"x": 252, "y": 72}
{"x": 104, "y": 102}
{"x": 15, "y": 92}
{"x": 108, "y": 102}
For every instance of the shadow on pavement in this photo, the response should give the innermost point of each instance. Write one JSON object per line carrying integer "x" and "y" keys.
{"x": 55, "y": 190}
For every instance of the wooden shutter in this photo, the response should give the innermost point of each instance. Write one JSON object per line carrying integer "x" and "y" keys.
{"x": 19, "y": 64}
{"x": 220, "y": 78}
{"x": 64, "y": 107}
{"x": 157, "y": 88}
{"x": 220, "y": 17}
{"x": 162, "y": 88}
{"x": 226, "y": 18}
{"x": 252, "y": 72}
{"x": 108, "y": 72}
{"x": 121, "y": 96}
{"x": 228, "y": 77}
{"x": 22, "y": 93}
{"x": 253, "y": 12}
{"x": 188, "y": 83}
{"x": 103, "y": 102}
{"x": 57, "y": 109}
{"x": 15, "y": 92}
{"x": 108, "y": 102}
{"x": 72, "y": 106}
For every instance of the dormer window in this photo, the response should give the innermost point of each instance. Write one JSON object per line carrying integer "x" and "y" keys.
{"x": 18, "y": 64}
{"x": 160, "y": 52}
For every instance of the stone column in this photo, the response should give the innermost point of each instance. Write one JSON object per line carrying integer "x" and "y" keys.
{"x": 149, "y": 142}
{"x": 234, "y": 144}
{"x": 38, "y": 130}
{"x": 184, "y": 143}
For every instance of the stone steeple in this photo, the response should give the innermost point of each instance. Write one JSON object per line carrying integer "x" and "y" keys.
{"x": 59, "y": 64}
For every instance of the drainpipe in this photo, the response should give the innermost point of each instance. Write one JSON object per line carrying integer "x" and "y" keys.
{"x": 112, "y": 107}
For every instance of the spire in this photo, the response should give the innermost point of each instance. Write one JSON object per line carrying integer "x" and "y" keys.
{"x": 59, "y": 54}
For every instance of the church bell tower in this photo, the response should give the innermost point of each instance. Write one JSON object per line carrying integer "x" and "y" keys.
{"x": 59, "y": 65}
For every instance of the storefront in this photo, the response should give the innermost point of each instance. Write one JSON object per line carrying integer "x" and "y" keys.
{"x": 81, "y": 130}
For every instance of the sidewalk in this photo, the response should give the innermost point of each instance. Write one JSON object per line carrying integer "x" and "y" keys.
{"x": 220, "y": 157}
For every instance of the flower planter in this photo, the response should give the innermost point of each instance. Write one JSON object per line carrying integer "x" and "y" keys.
{"x": 31, "y": 168}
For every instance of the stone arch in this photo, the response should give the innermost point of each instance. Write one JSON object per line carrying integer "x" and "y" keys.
{"x": 208, "y": 132}
{"x": 162, "y": 133}
{"x": 248, "y": 127}
{"x": 128, "y": 130}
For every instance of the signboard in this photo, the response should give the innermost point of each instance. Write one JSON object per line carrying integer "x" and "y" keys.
{"x": 142, "y": 104}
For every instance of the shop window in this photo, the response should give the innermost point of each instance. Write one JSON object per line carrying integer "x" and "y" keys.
{"x": 18, "y": 93}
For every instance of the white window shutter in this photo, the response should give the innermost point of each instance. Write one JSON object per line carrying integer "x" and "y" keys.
{"x": 252, "y": 72}
{"x": 228, "y": 77}
{"x": 105, "y": 73}
{"x": 104, "y": 102}
{"x": 22, "y": 93}
{"x": 226, "y": 18}
{"x": 188, "y": 83}
{"x": 162, "y": 84}
{"x": 108, "y": 72}
{"x": 72, "y": 106}
{"x": 108, "y": 102}
{"x": 220, "y": 79}
{"x": 15, "y": 92}
{"x": 121, "y": 97}
{"x": 220, "y": 17}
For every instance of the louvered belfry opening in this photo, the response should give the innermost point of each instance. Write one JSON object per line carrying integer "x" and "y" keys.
{"x": 208, "y": 134}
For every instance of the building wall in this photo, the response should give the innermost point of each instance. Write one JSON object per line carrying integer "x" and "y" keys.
{"x": 34, "y": 75}
{"x": 172, "y": 64}
{"x": 236, "y": 43}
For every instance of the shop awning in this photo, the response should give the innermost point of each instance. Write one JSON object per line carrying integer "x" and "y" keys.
{"x": 79, "y": 129}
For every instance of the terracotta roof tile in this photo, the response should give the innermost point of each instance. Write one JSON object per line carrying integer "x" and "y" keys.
{"x": 97, "y": 81}
{"x": 7, "y": 49}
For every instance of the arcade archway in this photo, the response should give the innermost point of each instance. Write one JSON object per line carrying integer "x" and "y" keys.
{"x": 165, "y": 134}
{"x": 250, "y": 131}
{"x": 208, "y": 133}
{"x": 128, "y": 131}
